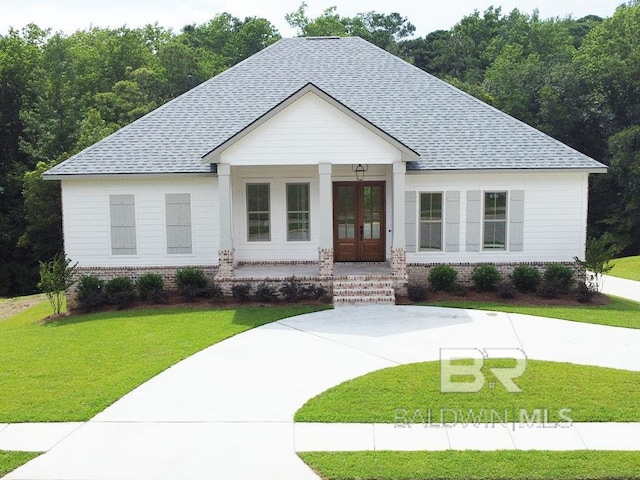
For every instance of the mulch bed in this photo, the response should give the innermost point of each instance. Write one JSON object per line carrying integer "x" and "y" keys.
{"x": 521, "y": 299}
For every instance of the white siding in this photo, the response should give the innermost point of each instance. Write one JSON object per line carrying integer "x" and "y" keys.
{"x": 308, "y": 132}
{"x": 87, "y": 229}
{"x": 554, "y": 213}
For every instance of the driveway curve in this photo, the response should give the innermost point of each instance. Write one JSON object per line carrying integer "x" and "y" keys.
{"x": 227, "y": 411}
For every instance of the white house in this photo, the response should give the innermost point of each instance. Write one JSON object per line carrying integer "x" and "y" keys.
{"x": 316, "y": 152}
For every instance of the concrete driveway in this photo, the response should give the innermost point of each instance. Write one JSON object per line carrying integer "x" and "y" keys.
{"x": 227, "y": 412}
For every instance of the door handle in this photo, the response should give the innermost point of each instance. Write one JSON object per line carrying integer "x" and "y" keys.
{"x": 361, "y": 232}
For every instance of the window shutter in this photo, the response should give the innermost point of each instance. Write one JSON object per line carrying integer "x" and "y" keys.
{"x": 516, "y": 221}
{"x": 178, "y": 207}
{"x": 123, "y": 224}
{"x": 452, "y": 218}
{"x": 410, "y": 214}
{"x": 474, "y": 207}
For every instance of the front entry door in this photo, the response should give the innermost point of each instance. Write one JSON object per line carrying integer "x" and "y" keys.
{"x": 358, "y": 221}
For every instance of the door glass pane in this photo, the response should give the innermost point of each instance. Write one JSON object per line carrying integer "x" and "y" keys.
{"x": 346, "y": 212}
{"x": 372, "y": 212}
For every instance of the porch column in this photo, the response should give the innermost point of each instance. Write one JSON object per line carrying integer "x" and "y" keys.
{"x": 398, "y": 245}
{"x": 326, "y": 205}
{"x": 225, "y": 254}
{"x": 326, "y": 220}
{"x": 224, "y": 192}
{"x": 399, "y": 171}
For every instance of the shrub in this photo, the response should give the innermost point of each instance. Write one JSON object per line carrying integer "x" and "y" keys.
{"x": 291, "y": 290}
{"x": 417, "y": 293}
{"x": 148, "y": 286}
{"x": 458, "y": 290}
{"x": 56, "y": 277}
{"x": 559, "y": 276}
{"x": 314, "y": 292}
{"x": 526, "y": 278}
{"x": 506, "y": 289}
{"x": 90, "y": 293}
{"x": 548, "y": 289}
{"x": 584, "y": 294}
{"x": 442, "y": 277}
{"x": 265, "y": 293}
{"x": 158, "y": 296}
{"x": 241, "y": 292}
{"x": 120, "y": 292}
{"x": 215, "y": 292}
{"x": 191, "y": 283}
{"x": 485, "y": 277}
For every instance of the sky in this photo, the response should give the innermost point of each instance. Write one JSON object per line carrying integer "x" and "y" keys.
{"x": 427, "y": 15}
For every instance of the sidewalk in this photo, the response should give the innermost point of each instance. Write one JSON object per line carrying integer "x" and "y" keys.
{"x": 621, "y": 287}
{"x": 336, "y": 437}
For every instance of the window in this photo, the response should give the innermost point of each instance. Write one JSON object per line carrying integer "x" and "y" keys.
{"x": 431, "y": 221}
{"x": 495, "y": 221}
{"x": 123, "y": 224}
{"x": 297, "y": 211}
{"x": 178, "y": 207}
{"x": 258, "y": 221}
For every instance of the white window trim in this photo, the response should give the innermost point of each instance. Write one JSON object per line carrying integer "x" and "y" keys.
{"x": 506, "y": 222}
{"x": 419, "y": 250}
{"x": 246, "y": 212}
{"x": 286, "y": 210}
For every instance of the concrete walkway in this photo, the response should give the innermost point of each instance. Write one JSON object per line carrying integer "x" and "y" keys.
{"x": 346, "y": 437}
{"x": 621, "y": 287}
{"x": 227, "y": 411}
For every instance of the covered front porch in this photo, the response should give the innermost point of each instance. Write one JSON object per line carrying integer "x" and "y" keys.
{"x": 349, "y": 222}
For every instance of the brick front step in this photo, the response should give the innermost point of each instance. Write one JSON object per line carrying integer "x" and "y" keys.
{"x": 365, "y": 289}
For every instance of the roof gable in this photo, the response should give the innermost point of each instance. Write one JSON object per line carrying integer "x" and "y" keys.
{"x": 214, "y": 155}
{"x": 445, "y": 127}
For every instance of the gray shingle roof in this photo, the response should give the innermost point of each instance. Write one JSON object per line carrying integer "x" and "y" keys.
{"x": 448, "y": 128}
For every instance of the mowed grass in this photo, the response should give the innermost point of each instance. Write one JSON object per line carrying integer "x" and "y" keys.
{"x": 73, "y": 368}
{"x": 9, "y": 461}
{"x": 618, "y": 312}
{"x": 411, "y": 394}
{"x": 475, "y": 465}
{"x": 627, "y": 267}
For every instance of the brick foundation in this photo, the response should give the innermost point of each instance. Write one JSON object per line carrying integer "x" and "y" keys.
{"x": 399, "y": 269}
{"x": 168, "y": 274}
{"x": 418, "y": 273}
{"x": 226, "y": 263}
{"x": 325, "y": 260}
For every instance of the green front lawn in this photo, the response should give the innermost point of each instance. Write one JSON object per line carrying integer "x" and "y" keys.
{"x": 393, "y": 395}
{"x": 73, "y": 368}
{"x": 475, "y": 465}
{"x": 627, "y": 267}
{"x": 617, "y": 313}
{"x": 9, "y": 461}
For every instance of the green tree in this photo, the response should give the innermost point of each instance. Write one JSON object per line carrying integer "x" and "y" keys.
{"x": 381, "y": 29}
{"x": 56, "y": 277}
{"x": 624, "y": 195}
{"x": 597, "y": 262}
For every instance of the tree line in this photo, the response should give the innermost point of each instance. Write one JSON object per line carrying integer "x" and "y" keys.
{"x": 576, "y": 79}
